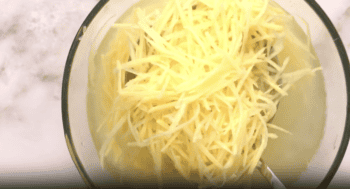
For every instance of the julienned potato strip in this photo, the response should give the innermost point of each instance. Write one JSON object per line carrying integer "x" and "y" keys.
{"x": 206, "y": 84}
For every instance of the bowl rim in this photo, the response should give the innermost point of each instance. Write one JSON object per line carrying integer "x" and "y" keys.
{"x": 65, "y": 86}
{"x": 345, "y": 61}
{"x": 67, "y": 70}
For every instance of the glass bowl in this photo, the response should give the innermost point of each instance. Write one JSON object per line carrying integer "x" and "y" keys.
{"x": 323, "y": 110}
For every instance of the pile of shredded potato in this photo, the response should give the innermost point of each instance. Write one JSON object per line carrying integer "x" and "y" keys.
{"x": 205, "y": 83}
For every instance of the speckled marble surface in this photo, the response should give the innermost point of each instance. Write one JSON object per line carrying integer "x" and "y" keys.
{"x": 35, "y": 37}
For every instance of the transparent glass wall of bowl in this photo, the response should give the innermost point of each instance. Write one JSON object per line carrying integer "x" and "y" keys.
{"x": 335, "y": 88}
{"x": 78, "y": 89}
{"x": 336, "y": 93}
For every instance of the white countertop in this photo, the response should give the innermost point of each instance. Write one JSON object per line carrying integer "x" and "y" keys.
{"x": 35, "y": 37}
